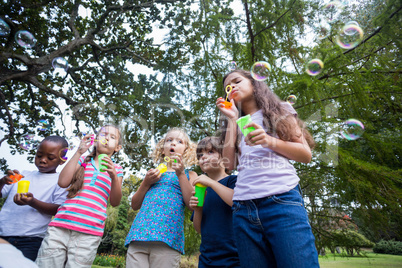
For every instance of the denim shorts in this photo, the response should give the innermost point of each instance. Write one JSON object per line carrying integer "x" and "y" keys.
{"x": 274, "y": 231}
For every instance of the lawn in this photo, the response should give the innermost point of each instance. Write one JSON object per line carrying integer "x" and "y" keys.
{"x": 329, "y": 261}
{"x": 371, "y": 260}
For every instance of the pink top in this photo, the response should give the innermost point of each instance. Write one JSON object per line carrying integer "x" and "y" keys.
{"x": 86, "y": 212}
{"x": 263, "y": 172}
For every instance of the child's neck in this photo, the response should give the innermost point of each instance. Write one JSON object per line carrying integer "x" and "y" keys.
{"x": 249, "y": 107}
{"x": 217, "y": 174}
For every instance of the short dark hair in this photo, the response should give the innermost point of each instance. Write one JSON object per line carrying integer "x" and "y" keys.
{"x": 57, "y": 139}
{"x": 212, "y": 142}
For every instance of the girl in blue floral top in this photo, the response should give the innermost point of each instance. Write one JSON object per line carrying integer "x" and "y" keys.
{"x": 156, "y": 238}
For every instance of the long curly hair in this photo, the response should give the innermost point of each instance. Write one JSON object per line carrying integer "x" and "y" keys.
{"x": 277, "y": 119}
{"x": 189, "y": 155}
{"x": 78, "y": 178}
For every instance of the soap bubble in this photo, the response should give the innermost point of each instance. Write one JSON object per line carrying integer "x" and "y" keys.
{"x": 260, "y": 70}
{"x": 332, "y": 10}
{"x": 60, "y": 63}
{"x": 352, "y": 129}
{"x": 25, "y": 39}
{"x": 4, "y": 28}
{"x": 291, "y": 99}
{"x": 27, "y": 142}
{"x": 314, "y": 67}
{"x": 349, "y": 36}
{"x": 232, "y": 66}
{"x": 63, "y": 154}
{"x": 323, "y": 30}
{"x": 43, "y": 125}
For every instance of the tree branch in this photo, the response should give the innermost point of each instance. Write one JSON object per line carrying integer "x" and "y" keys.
{"x": 250, "y": 30}
{"x": 344, "y": 95}
{"x": 9, "y": 117}
{"x": 277, "y": 20}
{"x": 73, "y": 17}
{"x": 34, "y": 81}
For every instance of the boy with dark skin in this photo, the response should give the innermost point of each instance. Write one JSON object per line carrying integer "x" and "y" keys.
{"x": 20, "y": 225}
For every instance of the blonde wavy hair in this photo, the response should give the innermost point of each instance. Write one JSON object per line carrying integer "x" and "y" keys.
{"x": 189, "y": 155}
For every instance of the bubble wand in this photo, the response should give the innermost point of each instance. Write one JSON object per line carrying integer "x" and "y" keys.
{"x": 227, "y": 103}
{"x": 163, "y": 167}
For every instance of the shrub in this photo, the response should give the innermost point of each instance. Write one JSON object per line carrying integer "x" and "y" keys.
{"x": 350, "y": 240}
{"x": 110, "y": 260}
{"x": 388, "y": 247}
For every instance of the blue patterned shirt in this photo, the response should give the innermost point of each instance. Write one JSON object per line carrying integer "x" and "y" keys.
{"x": 161, "y": 215}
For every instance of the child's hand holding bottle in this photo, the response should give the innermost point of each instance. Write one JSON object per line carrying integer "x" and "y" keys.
{"x": 24, "y": 199}
{"x": 108, "y": 163}
{"x": 153, "y": 175}
{"x": 230, "y": 113}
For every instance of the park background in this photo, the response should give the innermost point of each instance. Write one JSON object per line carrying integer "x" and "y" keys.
{"x": 146, "y": 66}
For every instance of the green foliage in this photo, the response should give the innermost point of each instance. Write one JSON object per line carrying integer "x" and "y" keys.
{"x": 110, "y": 260}
{"x": 350, "y": 240}
{"x": 192, "y": 239}
{"x": 388, "y": 247}
{"x": 119, "y": 220}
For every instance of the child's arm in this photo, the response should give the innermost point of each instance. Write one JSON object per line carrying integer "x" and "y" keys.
{"x": 67, "y": 173}
{"x": 152, "y": 176}
{"x": 42, "y": 207}
{"x": 225, "y": 193}
{"x": 229, "y": 148}
{"x": 115, "y": 190}
{"x": 197, "y": 212}
{"x": 297, "y": 149}
{"x": 185, "y": 185}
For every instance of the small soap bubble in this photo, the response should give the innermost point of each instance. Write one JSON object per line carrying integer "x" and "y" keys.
{"x": 27, "y": 142}
{"x": 323, "y": 30}
{"x": 232, "y": 66}
{"x": 352, "y": 129}
{"x": 60, "y": 63}
{"x": 314, "y": 67}
{"x": 349, "y": 36}
{"x": 348, "y": 30}
{"x": 260, "y": 70}
{"x": 25, "y": 39}
{"x": 4, "y": 28}
{"x": 332, "y": 10}
{"x": 43, "y": 125}
{"x": 291, "y": 99}
{"x": 63, "y": 154}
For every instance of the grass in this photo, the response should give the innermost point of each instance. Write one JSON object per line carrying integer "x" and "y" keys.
{"x": 370, "y": 260}
{"x": 329, "y": 261}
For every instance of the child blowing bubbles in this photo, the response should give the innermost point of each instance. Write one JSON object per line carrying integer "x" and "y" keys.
{"x": 156, "y": 237}
{"x": 214, "y": 219}
{"x": 24, "y": 217}
{"x": 269, "y": 220}
{"x": 74, "y": 234}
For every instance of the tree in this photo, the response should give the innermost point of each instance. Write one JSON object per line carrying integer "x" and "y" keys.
{"x": 360, "y": 177}
{"x": 98, "y": 39}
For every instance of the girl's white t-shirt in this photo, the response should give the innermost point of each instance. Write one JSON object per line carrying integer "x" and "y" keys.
{"x": 263, "y": 172}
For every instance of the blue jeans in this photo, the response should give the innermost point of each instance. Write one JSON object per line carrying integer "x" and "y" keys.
{"x": 28, "y": 245}
{"x": 274, "y": 232}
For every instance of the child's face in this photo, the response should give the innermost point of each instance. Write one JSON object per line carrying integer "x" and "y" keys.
{"x": 108, "y": 140}
{"x": 210, "y": 160}
{"x": 174, "y": 143}
{"x": 242, "y": 89}
{"x": 48, "y": 157}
